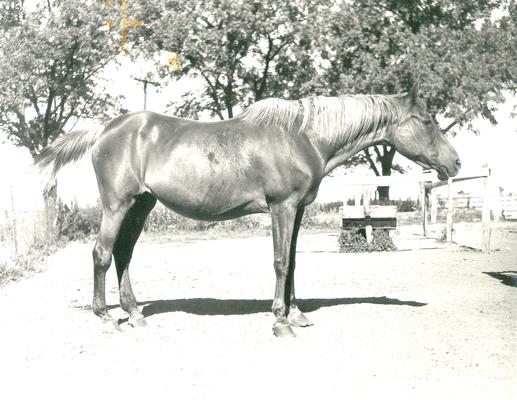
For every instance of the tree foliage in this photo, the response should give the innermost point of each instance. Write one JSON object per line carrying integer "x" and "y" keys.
{"x": 464, "y": 57}
{"x": 51, "y": 58}
{"x": 242, "y": 50}
{"x": 246, "y": 50}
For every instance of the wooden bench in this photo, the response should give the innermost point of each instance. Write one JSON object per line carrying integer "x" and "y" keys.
{"x": 384, "y": 217}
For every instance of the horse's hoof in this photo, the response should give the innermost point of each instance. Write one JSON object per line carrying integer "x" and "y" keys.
{"x": 283, "y": 330}
{"x": 298, "y": 319}
{"x": 139, "y": 322}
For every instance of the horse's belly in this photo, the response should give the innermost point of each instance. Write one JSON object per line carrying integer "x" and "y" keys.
{"x": 210, "y": 208}
{"x": 210, "y": 197}
{"x": 201, "y": 212}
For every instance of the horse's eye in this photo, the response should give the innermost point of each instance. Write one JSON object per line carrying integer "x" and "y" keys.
{"x": 428, "y": 121}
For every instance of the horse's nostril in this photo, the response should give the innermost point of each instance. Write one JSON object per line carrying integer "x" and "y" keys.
{"x": 458, "y": 163}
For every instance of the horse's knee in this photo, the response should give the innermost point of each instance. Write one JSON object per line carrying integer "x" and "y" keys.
{"x": 101, "y": 258}
{"x": 281, "y": 266}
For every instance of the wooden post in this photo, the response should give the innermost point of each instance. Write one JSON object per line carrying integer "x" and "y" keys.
{"x": 423, "y": 206}
{"x": 450, "y": 211}
{"x": 497, "y": 205}
{"x": 357, "y": 199}
{"x": 14, "y": 227}
{"x": 367, "y": 212}
{"x": 145, "y": 95}
{"x": 146, "y": 82}
{"x": 434, "y": 206}
{"x": 485, "y": 218}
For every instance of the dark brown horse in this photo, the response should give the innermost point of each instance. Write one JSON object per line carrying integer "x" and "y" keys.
{"x": 271, "y": 158}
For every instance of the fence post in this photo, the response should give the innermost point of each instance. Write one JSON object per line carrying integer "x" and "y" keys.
{"x": 486, "y": 213}
{"x": 434, "y": 206}
{"x": 15, "y": 228}
{"x": 450, "y": 211}
{"x": 367, "y": 212}
{"x": 497, "y": 205}
{"x": 423, "y": 206}
{"x": 357, "y": 199}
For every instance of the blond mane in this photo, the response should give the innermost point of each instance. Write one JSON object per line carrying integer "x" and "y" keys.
{"x": 336, "y": 119}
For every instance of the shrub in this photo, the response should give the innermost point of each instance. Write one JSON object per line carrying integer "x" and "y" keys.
{"x": 406, "y": 205}
{"x": 331, "y": 207}
{"x": 354, "y": 241}
{"x": 309, "y": 217}
{"x": 248, "y": 222}
{"x": 75, "y": 224}
{"x": 443, "y": 234}
{"x": 162, "y": 220}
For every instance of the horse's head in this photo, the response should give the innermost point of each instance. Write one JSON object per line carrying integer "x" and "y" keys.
{"x": 418, "y": 138}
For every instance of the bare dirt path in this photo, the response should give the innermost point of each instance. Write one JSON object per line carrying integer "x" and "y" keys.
{"x": 422, "y": 324}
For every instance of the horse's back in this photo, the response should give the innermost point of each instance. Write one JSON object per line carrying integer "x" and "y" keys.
{"x": 203, "y": 170}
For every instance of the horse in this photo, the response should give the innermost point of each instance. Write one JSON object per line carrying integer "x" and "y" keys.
{"x": 271, "y": 158}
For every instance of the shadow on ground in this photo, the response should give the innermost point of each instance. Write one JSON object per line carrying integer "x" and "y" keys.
{"x": 506, "y": 277}
{"x": 209, "y": 306}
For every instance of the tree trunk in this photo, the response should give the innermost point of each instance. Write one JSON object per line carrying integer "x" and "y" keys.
{"x": 384, "y": 194}
{"x": 384, "y": 191}
{"x": 51, "y": 214}
{"x": 386, "y": 160}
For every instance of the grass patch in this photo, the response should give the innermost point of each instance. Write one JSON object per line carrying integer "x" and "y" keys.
{"x": 20, "y": 266}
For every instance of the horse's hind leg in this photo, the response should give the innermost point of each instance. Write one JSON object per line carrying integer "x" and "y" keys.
{"x": 123, "y": 250}
{"x": 112, "y": 218}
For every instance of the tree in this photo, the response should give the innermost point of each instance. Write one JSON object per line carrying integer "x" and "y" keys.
{"x": 48, "y": 72}
{"x": 465, "y": 58}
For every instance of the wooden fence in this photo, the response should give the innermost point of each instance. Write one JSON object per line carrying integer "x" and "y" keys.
{"x": 22, "y": 219}
{"x": 509, "y": 206}
{"x": 429, "y": 198}
{"x": 430, "y": 202}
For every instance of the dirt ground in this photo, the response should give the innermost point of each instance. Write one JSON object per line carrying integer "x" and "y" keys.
{"x": 434, "y": 323}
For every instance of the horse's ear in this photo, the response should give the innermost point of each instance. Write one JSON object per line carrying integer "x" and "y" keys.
{"x": 413, "y": 91}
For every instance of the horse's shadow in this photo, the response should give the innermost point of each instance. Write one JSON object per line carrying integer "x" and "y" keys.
{"x": 508, "y": 278}
{"x": 210, "y": 306}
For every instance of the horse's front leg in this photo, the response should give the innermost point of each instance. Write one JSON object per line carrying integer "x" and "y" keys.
{"x": 283, "y": 220}
{"x": 295, "y": 317}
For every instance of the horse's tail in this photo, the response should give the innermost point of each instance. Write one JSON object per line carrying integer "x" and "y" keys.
{"x": 66, "y": 149}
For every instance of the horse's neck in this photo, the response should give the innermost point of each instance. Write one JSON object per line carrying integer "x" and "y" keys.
{"x": 341, "y": 146}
